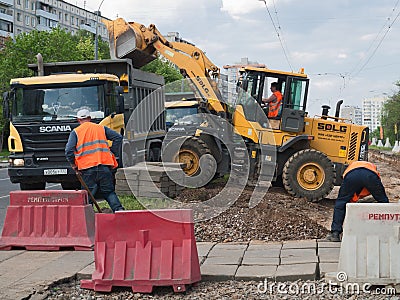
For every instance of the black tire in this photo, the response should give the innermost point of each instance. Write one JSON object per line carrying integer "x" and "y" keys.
{"x": 309, "y": 174}
{"x": 32, "y": 186}
{"x": 190, "y": 154}
{"x": 71, "y": 185}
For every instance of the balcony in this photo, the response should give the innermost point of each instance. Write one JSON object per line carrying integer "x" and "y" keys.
{"x": 88, "y": 28}
{"x": 7, "y": 2}
{"x": 7, "y": 17}
{"x": 47, "y": 15}
{"x": 41, "y": 27}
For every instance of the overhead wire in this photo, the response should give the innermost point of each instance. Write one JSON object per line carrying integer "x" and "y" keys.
{"x": 278, "y": 34}
{"x": 390, "y": 25}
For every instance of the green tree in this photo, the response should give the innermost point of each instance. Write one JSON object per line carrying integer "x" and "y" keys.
{"x": 54, "y": 45}
{"x": 164, "y": 68}
{"x": 391, "y": 115}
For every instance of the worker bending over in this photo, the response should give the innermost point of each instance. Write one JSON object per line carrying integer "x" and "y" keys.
{"x": 360, "y": 179}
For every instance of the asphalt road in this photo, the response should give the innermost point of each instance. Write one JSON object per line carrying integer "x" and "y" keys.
{"x": 5, "y": 187}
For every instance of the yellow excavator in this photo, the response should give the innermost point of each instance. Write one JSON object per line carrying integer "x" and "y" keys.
{"x": 307, "y": 155}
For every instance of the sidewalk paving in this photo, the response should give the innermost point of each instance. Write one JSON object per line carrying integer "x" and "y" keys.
{"x": 25, "y": 274}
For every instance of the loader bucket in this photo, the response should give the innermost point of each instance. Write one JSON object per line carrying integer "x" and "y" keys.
{"x": 126, "y": 41}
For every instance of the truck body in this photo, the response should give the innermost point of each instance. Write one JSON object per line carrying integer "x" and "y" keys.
{"x": 42, "y": 112}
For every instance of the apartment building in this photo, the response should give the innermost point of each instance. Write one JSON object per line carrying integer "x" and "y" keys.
{"x": 353, "y": 113}
{"x": 18, "y": 16}
{"x": 371, "y": 112}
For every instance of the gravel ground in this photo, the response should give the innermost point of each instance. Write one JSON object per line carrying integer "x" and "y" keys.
{"x": 230, "y": 290}
{"x": 278, "y": 217}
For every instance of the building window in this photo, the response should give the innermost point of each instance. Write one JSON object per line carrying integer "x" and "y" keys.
{"x": 72, "y": 20}
{"x": 27, "y": 20}
{"x": 19, "y": 31}
{"x": 60, "y": 16}
{"x": 66, "y": 17}
{"x": 26, "y": 3}
{"x": 33, "y": 21}
{"x": 19, "y": 2}
{"x": 33, "y": 6}
{"x": 19, "y": 17}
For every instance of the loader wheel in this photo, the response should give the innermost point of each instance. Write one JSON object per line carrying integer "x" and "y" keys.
{"x": 308, "y": 174}
{"x": 191, "y": 153}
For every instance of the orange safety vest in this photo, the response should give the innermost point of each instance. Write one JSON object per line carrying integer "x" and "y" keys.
{"x": 92, "y": 147}
{"x": 361, "y": 164}
{"x": 274, "y": 106}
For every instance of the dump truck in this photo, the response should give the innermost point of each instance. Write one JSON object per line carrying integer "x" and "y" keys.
{"x": 307, "y": 154}
{"x": 42, "y": 112}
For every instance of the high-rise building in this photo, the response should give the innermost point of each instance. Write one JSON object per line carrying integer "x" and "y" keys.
{"x": 18, "y": 16}
{"x": 371, "y": 112}
{"x": 353, "y": 113}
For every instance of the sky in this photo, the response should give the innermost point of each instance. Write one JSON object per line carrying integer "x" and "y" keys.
{"x": 349, "y": 49}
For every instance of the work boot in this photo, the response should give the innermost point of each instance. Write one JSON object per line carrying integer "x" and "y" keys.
{"x": 333, "y": 236}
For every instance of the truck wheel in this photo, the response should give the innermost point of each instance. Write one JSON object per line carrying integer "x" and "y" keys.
{"x": 71, "y": 185}
{"x": 308, "y": 174}
{"x": 192, "y": 151}
{"x": 32, "y": 186}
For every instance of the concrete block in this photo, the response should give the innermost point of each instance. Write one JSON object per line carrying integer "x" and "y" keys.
{"x": 86, "y": 273}
{"x": 264, "y": 247}
{"x": 223, "y": 260}
{"x": 325, "y": 244}
{"x": 260, "y": 261}
{"x": 296, "y": 271}
{"x": 4, "y": 255}
{"x": 221, "y": 253}
{"x": 263, "y": 253}
{"x": 328, "y": 254}
{"x": 231, "y": 246}
{"x": 299, "y": 260}
{"x": 203, "y": 248}
{"x": 255, "y": 272}
{"x": 298, "y": 252}
{"x": 302, "y": 244}
{"x": 327, "y": 267}
{"x": 218, "y": 272}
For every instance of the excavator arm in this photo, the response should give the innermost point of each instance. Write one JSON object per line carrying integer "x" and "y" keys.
{"x": 140, "y": 43}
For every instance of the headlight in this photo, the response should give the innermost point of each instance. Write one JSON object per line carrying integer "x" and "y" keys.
{"x": 18, "y": 162}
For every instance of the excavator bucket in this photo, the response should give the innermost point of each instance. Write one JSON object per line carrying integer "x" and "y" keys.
{"x": 127, "y": 41}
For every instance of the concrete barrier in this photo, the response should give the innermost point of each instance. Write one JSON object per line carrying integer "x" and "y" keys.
{"x": 371, "y": 245}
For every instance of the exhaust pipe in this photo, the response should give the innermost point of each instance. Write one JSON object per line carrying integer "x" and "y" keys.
{"x": 338, "y": 104}
{"x": 39, "y": 58}
{"x": 325, "y": 111}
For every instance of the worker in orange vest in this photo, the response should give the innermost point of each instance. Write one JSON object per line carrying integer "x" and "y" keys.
{"x": 360, "y": 179}
{"x": 274, "y": 101}
{"x": 88, "y": 152}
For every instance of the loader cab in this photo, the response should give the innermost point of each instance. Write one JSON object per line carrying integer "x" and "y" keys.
{"x": 255, "y": 86}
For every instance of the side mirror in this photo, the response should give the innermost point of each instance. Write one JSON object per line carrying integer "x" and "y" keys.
{"x": 6, "y": 105}
{"x": 119, "y": 90}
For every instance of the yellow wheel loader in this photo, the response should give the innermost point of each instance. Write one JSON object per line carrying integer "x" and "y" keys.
{"x": 306, "y": 154}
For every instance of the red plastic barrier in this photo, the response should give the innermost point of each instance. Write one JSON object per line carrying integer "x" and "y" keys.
{"x": 48, "y": 220}
{"x": 142, "y": 249}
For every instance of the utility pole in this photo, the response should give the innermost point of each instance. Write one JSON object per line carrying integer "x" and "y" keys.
{"x": 96, "y": 39}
